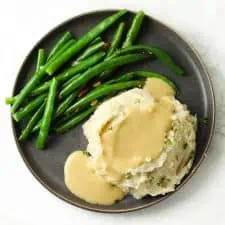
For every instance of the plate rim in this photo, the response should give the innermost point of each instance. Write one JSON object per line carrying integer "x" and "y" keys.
{"x": 192, "y": 172}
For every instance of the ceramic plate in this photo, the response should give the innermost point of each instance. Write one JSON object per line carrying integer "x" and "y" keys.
{"x": 196, "y": 91}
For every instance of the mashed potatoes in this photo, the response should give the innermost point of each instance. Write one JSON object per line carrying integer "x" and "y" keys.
{"x": 153, "y": 176}
{"x": 141, "y": 142}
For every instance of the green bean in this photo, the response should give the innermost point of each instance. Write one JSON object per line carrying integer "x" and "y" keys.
{"x": 145, "y": 74}
{"x": 10, "y": 100}
{"x": 89, "y": 51}
{"x": 96, "y": 40}
{"x": 48, "y": 113}
{"x": 37, "y": 126}
{"x": 114, "y": 45}
{"x": 62, "y": 50}
{"x": 122, "y": 78}
{"x": 82, "y": 66}
{"x": 67, "y": 74}
{"x": 82, "y": 42}
{"x": 40, "y": 59}
{"x": 70, "y": 80}
{"x": 65, "y": 104}
{"x": 97, "y": 69}
{"x": 101, "y": 92}
{"x": 65, "y": 118}
{"x": 159, "y": 53}
{"x": 106, "y": 74}
{"x": 116, "y": 39}
{"x": 134, "y": 29}
{"x": 41, "y": 88}
{"x": 75, "y": 121}
{"x": 34, "y": 119}
{"x": 32, "y": 83}
{"x": 61, "y": 42}
{"x": 30, "y": 107}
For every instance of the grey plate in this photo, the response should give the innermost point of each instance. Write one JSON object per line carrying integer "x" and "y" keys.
{"x": 196, "y": 92}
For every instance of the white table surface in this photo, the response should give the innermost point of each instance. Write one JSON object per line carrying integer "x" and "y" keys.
{"x": 24, "y": 201}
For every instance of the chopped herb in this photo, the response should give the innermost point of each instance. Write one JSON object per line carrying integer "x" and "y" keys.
{"x": 191, "y": 156}
{"x": 127, "y": 175}
{"x": 87, "y": 153}
{"x": 151, "y": 179}
{"x": 94, "y": 102}
{"x": 169, "y": 142}
{"x": 204, "y": 120}
{"x": 113, "y": 185}
{"x": 137, "y": 101}
{"x": 110, "y": 128}
{"x": 185, "y": 145}
{"x": 163, "y": 181}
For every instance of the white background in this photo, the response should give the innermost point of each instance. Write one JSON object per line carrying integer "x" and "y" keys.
{"x": 24, "y": 201}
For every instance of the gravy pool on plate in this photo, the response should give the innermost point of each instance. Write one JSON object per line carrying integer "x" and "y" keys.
{"x": 86, "y": 184}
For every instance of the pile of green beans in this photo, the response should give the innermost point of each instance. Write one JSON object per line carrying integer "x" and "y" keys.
{"x": 55, "y": 101}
